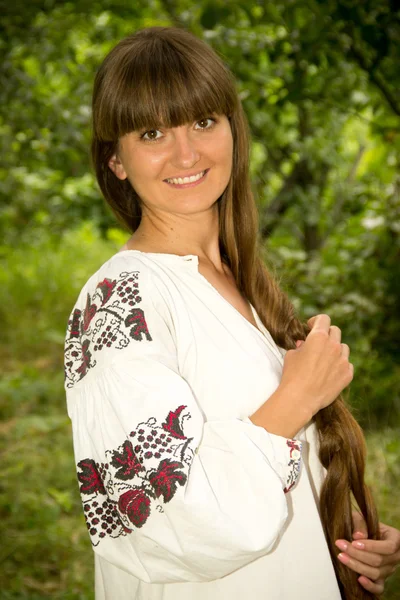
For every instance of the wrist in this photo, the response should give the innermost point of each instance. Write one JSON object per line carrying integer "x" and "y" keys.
{"x": 284, "y": 413}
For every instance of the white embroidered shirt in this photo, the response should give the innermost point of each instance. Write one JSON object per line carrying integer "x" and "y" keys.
{"x": 183, "y": 496}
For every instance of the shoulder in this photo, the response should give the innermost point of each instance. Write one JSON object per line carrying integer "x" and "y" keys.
{"x": 119, "y": 307}
{"x": 121, "y": 281}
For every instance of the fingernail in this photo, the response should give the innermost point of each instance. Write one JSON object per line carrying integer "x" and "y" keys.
{"x": 343, "y": 557}
{"x": 359, "y": 545}
{"x": 341, "y": 544}
{"x": 359, "y": 533}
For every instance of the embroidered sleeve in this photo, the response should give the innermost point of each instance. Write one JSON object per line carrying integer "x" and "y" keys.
{"x": 109, "y": 317}
{"x": 284, "y": 454}
{"x": 167, "y": 496}
{"x": 139, "y": 476}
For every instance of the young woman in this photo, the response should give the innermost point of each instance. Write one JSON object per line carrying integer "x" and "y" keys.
{"x": 215, "y": 455}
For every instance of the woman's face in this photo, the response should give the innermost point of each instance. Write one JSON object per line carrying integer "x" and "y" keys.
{"x": 156, "y": 161}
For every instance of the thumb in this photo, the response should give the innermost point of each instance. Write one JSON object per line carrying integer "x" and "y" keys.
{"x": 359, "y": 526}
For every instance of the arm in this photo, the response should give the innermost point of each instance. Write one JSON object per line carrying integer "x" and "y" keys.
{"x": 168, "y": 496}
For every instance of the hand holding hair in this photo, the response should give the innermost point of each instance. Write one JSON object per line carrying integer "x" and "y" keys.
{"x": 373, "y": 560}
{"x": 319, "y": 368}
{"x": 313, "y": 376}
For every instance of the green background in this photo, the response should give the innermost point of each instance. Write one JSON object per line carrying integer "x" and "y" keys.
{"x": 319, "y": 81}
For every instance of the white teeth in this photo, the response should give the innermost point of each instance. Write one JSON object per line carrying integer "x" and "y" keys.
{"x": 180, "y": 180}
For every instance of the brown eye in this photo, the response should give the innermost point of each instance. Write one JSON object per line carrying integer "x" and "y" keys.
{"x": 206, "y": 123}
{"x": 151, "y": 135}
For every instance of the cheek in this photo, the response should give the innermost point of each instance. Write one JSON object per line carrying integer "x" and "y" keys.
{"x": 145, "y": 166}
{"x": 223, "y": 149}
{"x": 223, "y": 156}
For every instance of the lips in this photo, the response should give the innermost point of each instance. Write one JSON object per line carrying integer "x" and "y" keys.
{"x": 187, "y": 178}
{"x": 184, "y": 182}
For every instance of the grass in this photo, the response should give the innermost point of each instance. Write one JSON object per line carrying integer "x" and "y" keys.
{"x": 45, "y": 550}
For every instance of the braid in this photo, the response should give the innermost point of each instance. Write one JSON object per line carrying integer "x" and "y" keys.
{"x": 342, "y": 448}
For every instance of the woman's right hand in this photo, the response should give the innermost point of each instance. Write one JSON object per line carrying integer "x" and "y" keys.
{"x": 313, "y": 376}
{"x": 319, "y": 368}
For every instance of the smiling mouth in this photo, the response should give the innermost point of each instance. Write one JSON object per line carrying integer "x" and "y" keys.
{"x": 187, "y": 180}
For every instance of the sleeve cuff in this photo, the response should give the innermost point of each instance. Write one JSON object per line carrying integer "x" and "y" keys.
{"x": 284, "y": 455}
{"x": 293, "y": 463}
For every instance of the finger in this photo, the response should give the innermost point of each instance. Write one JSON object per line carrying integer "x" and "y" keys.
{"x": 311, "y": 321}
{"x": 375, "y": 587}
{"x": 372, "y": 573}
{"x": 359, "y": 523}
{"x": 370, "y": 558}
{"x": 359, "y": 535}
{"x": 319, "y": 322}
{"x": 351, "y": 368}
{"x": 385, "y": 547}
{"x": 390, "y": 534}
{"x": 345, "y": 350}
{"x": 335, "y": 333}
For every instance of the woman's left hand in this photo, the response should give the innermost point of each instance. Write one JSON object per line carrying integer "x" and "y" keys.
{"x": 374, "y": 560}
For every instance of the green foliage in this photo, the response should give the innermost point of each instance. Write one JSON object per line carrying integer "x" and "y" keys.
{"x": 42, "y": 520}
{"x": 37, "y": 281}
{"x": 47, "y": 553}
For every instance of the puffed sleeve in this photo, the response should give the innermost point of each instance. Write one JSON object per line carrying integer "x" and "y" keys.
{"x": 167, "y": 495}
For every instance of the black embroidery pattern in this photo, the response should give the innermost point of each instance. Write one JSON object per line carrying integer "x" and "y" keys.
{"x": 293, "y": 464}
{"x": 118, "y": 495}
{"x": 110, "y": 318}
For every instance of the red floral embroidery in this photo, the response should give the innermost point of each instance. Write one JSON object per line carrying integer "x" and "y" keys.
{"x": 88, "y": 313}
{"x": 165, "y": 479}
{"x": 106, "y": 288}
{"x": 75, "y": 324}
{"x": 90, "y": 478}
{"x": 145, "y": 469}
{"x": 110, "y": 318}
{"x": 293, "y": 464}
{"x": 135, "y": 320}
{"x": 172, "y": 423}
{"x": 136, "y": 505}
{"x": 85, "y": 357}
{"x": 126, "y": 462}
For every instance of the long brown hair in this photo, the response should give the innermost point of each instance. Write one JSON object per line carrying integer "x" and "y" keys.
{"x": 166, "y": 74}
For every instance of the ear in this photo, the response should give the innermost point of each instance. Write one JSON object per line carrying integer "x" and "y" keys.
{"x": 117, "y": 167}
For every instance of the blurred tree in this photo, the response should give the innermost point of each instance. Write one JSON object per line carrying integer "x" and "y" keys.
{"x": 318, "y": 81}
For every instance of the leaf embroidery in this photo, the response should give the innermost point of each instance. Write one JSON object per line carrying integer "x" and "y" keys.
{"x": 126, "y": 462}
{"x": 165, "y": 479}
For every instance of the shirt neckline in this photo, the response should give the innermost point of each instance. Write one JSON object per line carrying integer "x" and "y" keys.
{"x": 185, "y": 256}
{"x": 188, "y": 258}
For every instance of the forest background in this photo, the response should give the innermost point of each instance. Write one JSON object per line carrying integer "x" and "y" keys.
{"x": 320, "y": 83}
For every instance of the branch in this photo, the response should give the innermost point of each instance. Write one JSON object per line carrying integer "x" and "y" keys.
{"x": 377, "y": 78}
{"x": 340, "y": 201}
{"x": 300, "y": 175}
{"x": 312, "y": 238}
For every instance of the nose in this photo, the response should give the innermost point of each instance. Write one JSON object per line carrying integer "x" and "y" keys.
{"x": 185, "y": 151}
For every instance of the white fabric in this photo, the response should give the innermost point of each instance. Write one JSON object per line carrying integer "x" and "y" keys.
{"x": 185, "y": 498}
